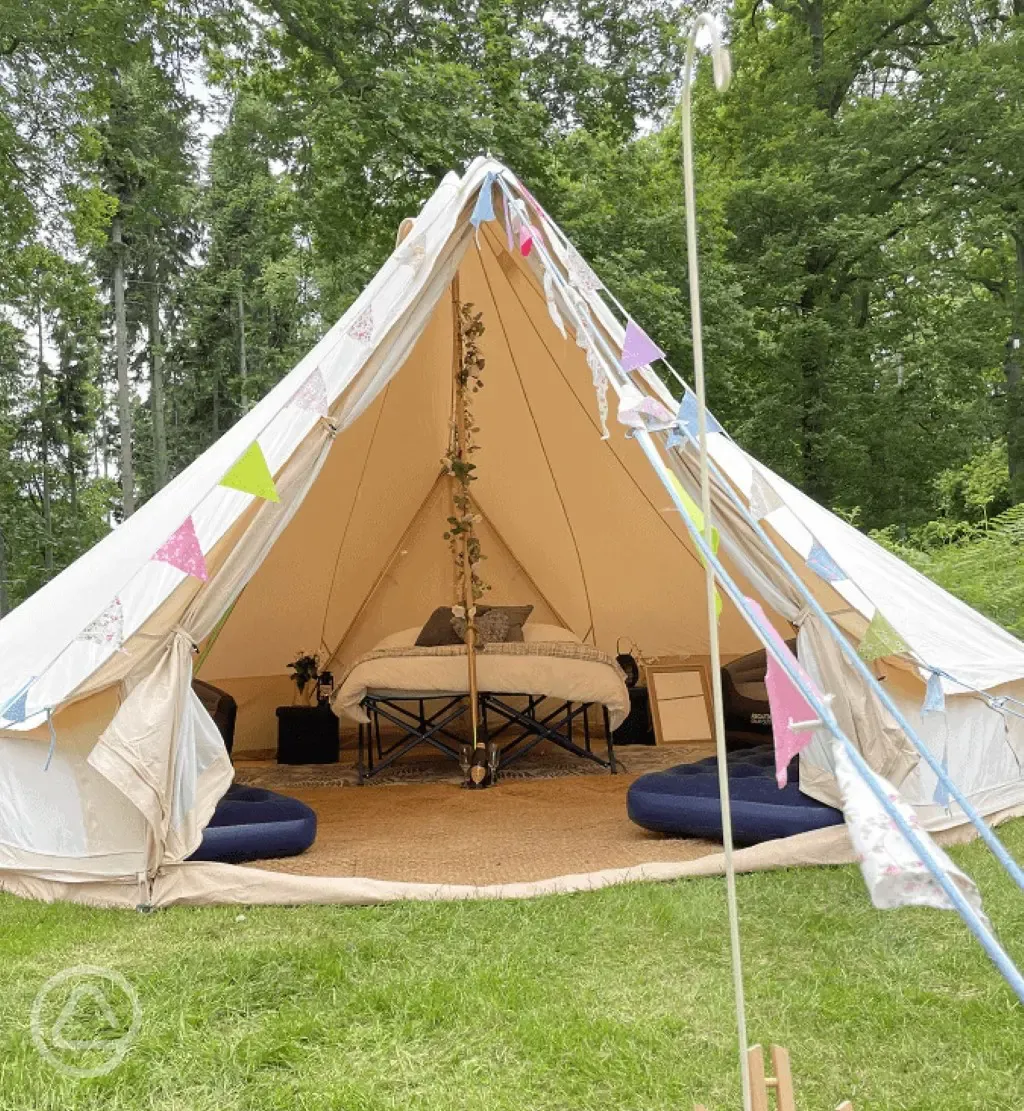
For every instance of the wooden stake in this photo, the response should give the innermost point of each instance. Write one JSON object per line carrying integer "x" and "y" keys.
{"x": 781, "y": 1083}
{"x": 758, "y": 1084}
{"x": 784, "y": 1098}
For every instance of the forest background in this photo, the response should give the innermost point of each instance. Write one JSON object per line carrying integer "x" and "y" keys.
{"x": 192, "y": 191}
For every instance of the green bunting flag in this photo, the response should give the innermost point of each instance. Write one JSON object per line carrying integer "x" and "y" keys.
{"x": 251, "y": 475}
{"x": 693, "y": 511}
{"x": 880, "y": 639}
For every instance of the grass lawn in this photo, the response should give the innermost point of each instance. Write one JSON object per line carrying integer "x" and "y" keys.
{"x": 617, "y": 999}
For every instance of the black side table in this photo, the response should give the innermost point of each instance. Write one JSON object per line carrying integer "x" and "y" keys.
{"x": 307, "y": 735}
{"x": 637, "y": 728}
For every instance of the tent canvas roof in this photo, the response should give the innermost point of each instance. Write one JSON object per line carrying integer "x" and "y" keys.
{"x": 576, "y": 521}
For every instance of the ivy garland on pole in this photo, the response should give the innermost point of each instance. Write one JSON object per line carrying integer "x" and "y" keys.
{"x": 461, "y": 533}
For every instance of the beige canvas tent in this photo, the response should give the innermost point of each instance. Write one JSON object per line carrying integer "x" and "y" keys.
{"x": 109, "y": 765}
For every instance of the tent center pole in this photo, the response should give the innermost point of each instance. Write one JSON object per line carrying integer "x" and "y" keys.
{"x": 477, "y": 771}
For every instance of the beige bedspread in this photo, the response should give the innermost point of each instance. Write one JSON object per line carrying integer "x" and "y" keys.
{"x": 549, "y": 663}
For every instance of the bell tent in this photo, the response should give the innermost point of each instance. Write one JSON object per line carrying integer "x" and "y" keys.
{"x": 316, "y": 522}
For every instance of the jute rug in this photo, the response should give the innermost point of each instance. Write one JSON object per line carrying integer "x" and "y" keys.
{"x": 419, "y": 767}
{"x": 521, "y": 830}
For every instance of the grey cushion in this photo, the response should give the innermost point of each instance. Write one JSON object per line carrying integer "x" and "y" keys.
{"x": 441, "y": 630}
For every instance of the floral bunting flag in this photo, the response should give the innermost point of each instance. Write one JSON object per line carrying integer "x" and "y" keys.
{"x": 483, "y": 210}
{"x": 880, "y": 639}
{"x": 251, "y": 475}
{"x": 638, "y": 349}
{"x": 763, "y": 498}
{"x": 823, "y": 565}
{"x": 549, "y": 296}
{"x": 641, "y": 411}
{"x": 688, "y": 420}
{"x": 934, "y": 695}
{"x": 787, "y": 702}
{"x": 15, "y": 709}
{"x": 580, "y": 274}
{"x": 182, "y": 551}
{"x": 584, "y": 341}
{"x": 893, "y": 872}
{"x": 312, "y": 395}
{"x": 108, "y": 628}
{"x": 361, "y": 329}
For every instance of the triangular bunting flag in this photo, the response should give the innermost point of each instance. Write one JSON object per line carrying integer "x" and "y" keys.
{"x": 484, "y": 208}
{"x": 580, "y": 274}
{"x": 549, "y": 295}
{"x": 251, "y": 475}
{"x": 312, "y": 394}
{"x": 763, "y": 499}
{"x": 688, "y": 420}
{"x": 108, "y": 628}
{"x": 182, "y": 550}
{"x": 14, "y": 710}
{"x": 893, "y": 872}
{"x": 525, "y": 239}
{"x": 694, "y": 512}
{"x": 934, "y": 696}
{"x": 822, "y": 564}
{"x": 638, "y": 349}
{"x": 361, "y": 328}
{"x": 641, "y": 411}
{"x": 788, "y": 704}
{"x": 880, "y": 639}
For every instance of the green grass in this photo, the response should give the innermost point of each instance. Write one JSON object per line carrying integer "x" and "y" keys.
{"x": 616, "y": 999}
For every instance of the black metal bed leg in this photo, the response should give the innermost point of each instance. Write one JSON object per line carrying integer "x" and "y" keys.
{"x": 611, "y": 747}
{"x": 586, "y": 727}
{"x": 359, "y": 756}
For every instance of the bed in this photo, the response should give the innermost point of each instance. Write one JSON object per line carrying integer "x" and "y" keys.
{"x": 540, "y": 689}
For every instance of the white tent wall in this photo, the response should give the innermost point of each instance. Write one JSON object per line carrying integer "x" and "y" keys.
{"x": 576, "y": 524}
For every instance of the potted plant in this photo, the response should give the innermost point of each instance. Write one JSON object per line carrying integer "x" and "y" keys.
{"x": 307, "y": 731}
{"x": 305, "y": 669}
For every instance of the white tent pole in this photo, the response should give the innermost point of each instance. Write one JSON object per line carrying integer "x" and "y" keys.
{"x": 721, "y": 68}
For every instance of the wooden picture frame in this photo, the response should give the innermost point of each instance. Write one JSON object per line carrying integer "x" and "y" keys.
{"x": 680, "y": 701}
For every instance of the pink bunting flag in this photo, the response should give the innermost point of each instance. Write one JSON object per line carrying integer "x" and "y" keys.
{"x": 638, "y": 349}
{"x": 787, "y": 704}
{"x": 525, "y": 240}
{"x": 182, "y": 550}
{"x": 312, "y": 394}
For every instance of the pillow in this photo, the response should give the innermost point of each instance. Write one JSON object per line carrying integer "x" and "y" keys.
{"x": 492, "y": 627}
{"x": 440, "y": 630}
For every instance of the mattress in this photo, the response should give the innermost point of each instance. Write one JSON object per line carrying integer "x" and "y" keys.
{"x": 551, "y": 662}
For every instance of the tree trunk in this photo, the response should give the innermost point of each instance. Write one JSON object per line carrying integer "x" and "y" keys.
{"x": 156, "y": 382}
{"x": 243, "y": 370}
{"x": 123, "y": 391}
{"x": 1014, "y": 370}
{"x": 44, "y": 444}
